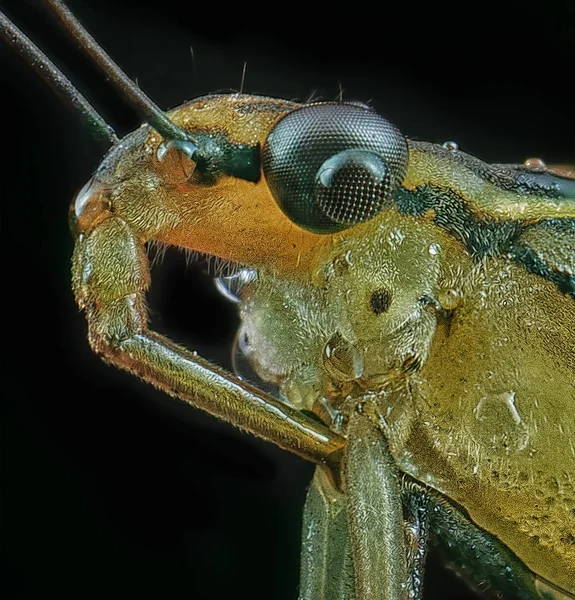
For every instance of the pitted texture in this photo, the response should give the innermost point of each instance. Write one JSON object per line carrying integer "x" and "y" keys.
{"x": 315, "y": 178}
{"x": 352, "y": 186}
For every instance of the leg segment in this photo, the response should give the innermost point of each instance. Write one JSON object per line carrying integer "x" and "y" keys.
{"x": 481, "y": 559}
{"x": 110, "y": 277}
{"x": 416, "y": 516}
{"x": 326, "y": 563}
{"x": 376, "y": 526}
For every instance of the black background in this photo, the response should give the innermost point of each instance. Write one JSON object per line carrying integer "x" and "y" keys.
{"x": 112, "y": 489}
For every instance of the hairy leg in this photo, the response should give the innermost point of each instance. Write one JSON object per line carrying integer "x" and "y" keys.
{"x": 110, "y": 277}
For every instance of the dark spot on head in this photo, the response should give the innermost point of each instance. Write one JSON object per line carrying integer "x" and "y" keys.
{"x": 380, "y": 301}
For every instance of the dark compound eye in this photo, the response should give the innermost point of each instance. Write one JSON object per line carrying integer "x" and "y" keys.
{"x": 330, "y": 166}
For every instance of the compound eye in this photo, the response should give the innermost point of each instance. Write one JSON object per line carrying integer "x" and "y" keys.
{"x": 331, "y": 166}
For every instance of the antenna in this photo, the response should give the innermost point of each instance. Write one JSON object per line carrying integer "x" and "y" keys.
{"x": 48, "y": 71}
{"x": 147, "y": 109}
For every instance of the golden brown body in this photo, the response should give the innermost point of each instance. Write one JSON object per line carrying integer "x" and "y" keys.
{"x": 468, "y": 372}
{"x": 488, "y": 419}
{"x": 417, "y": 300}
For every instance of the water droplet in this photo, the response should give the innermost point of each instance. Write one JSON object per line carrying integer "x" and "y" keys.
{"x": 434, "y": 249}
{"x": 449, "y": 299}
{"x": 534, "y": 163}
{"x": 451, "y": 146}
{"x": 232, "y": 285}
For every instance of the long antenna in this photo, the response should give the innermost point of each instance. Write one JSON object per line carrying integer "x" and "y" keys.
{"x": 44, "y": 67}
{"x": 147, "y": 109}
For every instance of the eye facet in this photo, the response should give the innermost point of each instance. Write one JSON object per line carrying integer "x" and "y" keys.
{"x": 350, "y": 186}
{"x": 331, "y": 166}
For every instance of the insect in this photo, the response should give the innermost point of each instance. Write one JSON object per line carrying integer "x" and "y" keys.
{"x": 336, "y": 347}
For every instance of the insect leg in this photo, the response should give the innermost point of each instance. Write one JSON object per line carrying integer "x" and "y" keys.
{"x": 416, "y": 508}
{"x": 482, "y": 559}
{"x": 326, "y": 562}
{"x": 376, "y": 525}
{"x": 110, "y": 278}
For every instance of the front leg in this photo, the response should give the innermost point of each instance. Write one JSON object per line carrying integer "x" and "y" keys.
{"x": 326, "y": 562}
{"x": 110, "y": 278}
{"x": 375, "y": 515}
{"x": 327, "y": 569}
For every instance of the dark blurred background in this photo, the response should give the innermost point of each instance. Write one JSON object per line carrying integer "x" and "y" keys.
{"x": 112, "y": 489}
